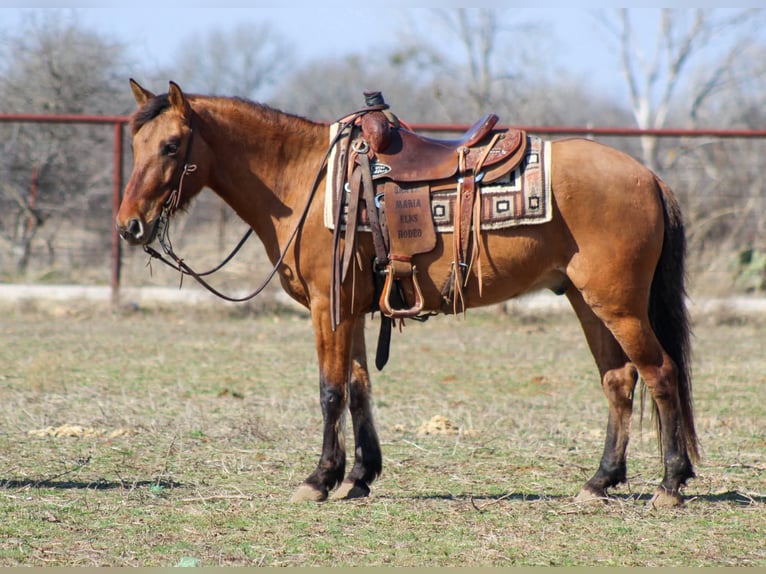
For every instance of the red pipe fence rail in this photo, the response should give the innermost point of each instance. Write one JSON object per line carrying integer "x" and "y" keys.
{"x": 118, "y": 123}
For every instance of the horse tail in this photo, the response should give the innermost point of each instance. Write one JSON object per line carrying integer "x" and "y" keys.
{"x": 668, "y": 314}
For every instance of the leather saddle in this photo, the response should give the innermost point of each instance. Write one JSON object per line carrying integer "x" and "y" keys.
{"x": 390, "y": 174}
{"x": 410, "y": 157}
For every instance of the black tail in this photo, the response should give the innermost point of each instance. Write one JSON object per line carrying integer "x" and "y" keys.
{"x": 668, "y": 314}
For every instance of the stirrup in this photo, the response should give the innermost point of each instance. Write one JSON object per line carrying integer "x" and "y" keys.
{"x": 394, "y": 272}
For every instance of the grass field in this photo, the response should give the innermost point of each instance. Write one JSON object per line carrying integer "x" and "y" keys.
{"x": 159, "y": 437}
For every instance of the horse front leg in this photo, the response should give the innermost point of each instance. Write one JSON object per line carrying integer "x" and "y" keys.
{"x": 334, "y": 355}
{"x": 368, "y": 460}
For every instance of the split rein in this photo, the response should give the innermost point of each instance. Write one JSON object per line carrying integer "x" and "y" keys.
{"x": 180, "y": 265}
{"x": 171, "y": 205}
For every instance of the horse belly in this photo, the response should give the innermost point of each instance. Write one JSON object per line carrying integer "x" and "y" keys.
{"x": 511, "y": 262}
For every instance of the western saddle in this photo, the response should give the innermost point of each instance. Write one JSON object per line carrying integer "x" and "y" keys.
{"x": 389, "y": 172}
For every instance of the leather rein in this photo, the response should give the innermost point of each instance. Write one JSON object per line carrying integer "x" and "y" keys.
{"x": 173, "y": 202}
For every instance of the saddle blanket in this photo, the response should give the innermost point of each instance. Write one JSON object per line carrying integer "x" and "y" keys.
{"x": 521, "y": 197}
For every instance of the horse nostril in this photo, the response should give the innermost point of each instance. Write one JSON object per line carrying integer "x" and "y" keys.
{"x": 135, "y": 229}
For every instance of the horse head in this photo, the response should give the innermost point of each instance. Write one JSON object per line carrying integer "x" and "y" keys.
{"x": 168, "y": 163}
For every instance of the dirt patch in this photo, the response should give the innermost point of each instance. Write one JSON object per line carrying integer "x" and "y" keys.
{"x": 441, "y": 425}
{"x": 77, "y": 431}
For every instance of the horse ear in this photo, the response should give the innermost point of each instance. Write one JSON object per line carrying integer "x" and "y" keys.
{"x": 140, "y": 94}
{"x": 178, "y": 100}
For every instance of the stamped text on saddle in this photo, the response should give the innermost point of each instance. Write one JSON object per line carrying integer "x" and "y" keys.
{"x": 405, "y": 188}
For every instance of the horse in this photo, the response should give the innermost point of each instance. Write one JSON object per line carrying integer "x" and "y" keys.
{"x": 615, "y": 247}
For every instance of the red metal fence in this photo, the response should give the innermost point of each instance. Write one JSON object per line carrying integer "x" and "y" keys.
{"x": 117, "y": 124}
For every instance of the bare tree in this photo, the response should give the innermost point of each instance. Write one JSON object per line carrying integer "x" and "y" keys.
{"x": 49, "y": 173}
{"x": 478, "y": 32}
{"x": 473, "y": 58}
{"x": 242, "y": 62}
{"x": 683, "y": 38}
{"x": 727, "y": 207}
{"x": 702, "y": 68}
{"x": 330, "y": 89}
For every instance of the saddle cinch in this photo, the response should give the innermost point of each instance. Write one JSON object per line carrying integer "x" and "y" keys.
{"x": 389, "y": 173}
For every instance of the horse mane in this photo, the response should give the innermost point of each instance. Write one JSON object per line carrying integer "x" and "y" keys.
{"x": 268, "y": 118}
{"x": 159, "y": 103}
{"x": 150, "y": 110}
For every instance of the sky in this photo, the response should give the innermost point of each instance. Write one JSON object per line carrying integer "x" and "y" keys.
{"x": 155, "y": 32}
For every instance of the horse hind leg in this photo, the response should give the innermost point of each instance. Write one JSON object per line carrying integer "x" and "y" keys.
{"x": 661, "y": 376}
{"x": 618, "y": 380}
{"x": 368, "y": 459}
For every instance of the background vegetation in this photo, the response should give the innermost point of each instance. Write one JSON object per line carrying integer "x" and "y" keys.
{"x": 706, "y": 71}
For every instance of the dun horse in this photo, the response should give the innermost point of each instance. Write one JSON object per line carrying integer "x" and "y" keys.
{"x": 614, "y": 247}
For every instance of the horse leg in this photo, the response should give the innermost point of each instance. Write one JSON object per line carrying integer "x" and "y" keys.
{"x": 368, "y": 460}
{"x": 334, "y": 355}
{"x": 618, "y": 380}
{"x": 633, "y": 332}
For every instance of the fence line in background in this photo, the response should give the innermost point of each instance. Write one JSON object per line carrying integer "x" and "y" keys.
{"x": 118, "y": 122}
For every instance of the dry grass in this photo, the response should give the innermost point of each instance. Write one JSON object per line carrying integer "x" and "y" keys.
{"x": 188, "y": 429}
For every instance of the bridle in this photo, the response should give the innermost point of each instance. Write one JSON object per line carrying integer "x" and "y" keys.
{"x": 174, "y": 200}
{"x": 163, "y": 237}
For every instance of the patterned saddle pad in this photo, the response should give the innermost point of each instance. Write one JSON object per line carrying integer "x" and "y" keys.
{"x": 521, "y": 197}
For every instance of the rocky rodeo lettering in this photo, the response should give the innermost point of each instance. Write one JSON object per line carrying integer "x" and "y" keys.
{"x": 409, "y": 233}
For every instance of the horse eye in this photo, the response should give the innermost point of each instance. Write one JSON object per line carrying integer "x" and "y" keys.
{"x": 170, "y": 148}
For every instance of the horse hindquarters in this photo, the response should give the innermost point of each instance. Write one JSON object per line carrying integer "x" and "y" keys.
{"x": 629, "y": 264}
{"x": 660, "y": 351}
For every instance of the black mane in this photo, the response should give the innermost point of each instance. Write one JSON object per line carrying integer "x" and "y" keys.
{"x": 150, "y": 110}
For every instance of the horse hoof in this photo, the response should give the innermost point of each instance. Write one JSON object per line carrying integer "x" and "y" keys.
{"x": 664, "y": 499}
{"x": 588, "y": 496}
{"x": 351, "y": 489}
{"x": 306, "y": 492}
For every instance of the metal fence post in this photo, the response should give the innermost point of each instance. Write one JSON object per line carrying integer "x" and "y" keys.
{"x": 116, "y": 193}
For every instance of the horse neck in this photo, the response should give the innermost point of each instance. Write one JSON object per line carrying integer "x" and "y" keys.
{"x": 264, "y": 161}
